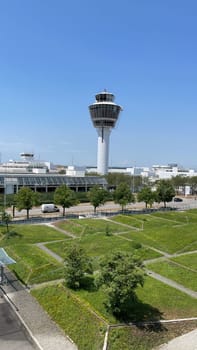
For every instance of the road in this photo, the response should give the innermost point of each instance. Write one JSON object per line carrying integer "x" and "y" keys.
{"x": 86, "y": 208}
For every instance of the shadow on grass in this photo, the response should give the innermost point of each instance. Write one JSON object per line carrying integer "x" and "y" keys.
{"x": 139, "y": 313}
{"x": 11, "y": 234}
{"x": 88, "y": 283}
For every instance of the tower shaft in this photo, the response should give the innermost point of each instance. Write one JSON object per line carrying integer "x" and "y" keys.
{"x": 103, "y": 150}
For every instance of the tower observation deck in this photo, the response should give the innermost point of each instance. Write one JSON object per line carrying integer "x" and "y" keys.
{"x": 104, "y": 114}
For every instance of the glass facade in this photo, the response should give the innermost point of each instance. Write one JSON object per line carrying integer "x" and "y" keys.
{"x": 104, "y": 114}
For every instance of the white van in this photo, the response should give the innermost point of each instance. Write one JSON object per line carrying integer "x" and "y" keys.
{"x": 49, "y": 208}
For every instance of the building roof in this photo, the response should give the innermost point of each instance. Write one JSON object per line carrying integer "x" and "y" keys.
{"x": 51, "y": 180}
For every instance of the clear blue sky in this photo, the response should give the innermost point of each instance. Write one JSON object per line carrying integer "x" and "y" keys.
{"x": 55, "y": 55}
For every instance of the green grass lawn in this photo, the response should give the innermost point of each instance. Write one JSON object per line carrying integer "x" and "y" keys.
{"x": 75, "y": 318}
{"x": 98, "y": 245}
{"x": 30, "y": 234}
{"x": 88, "y": 226}
{"x": 170, "y": 240}
{"x": 181, "y": 275}
{"x": 156, "y": 301}
{"x": 189, "y": 260}
{"x": 146, "y": 338}
{"x": 169, "y": 232}
{"x": 33, "y": 265}
{"x": 76, "y": 313}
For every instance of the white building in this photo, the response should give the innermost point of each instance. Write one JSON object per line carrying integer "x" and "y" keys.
{"x": 27, "y": 164}
{"x": 75, "y": 171}
{"x": 171, "y": 170}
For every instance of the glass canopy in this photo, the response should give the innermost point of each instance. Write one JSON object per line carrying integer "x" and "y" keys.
{"x": 5, "y": 259}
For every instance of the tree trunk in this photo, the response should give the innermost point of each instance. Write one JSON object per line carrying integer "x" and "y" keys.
{"x": 27, "y": 213}
{"x": 13, "y": 211}
{"x": 63, "y": 211}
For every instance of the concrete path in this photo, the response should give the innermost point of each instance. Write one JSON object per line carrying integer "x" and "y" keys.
{"x": 13, "y": 335}
{"x": 50, "y": 252}
{"x": 44, "y": 332}
{"x": 184, "y": 342}
{"x": 173, "y": 284}
{"x": 66, "y": 233}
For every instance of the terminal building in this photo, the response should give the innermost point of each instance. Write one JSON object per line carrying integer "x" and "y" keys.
{"x": 42, "y": 176}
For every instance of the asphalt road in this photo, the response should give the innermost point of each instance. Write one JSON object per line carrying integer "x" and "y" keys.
{"x": 12, "y": 333}
{"x": 86, "y": 208}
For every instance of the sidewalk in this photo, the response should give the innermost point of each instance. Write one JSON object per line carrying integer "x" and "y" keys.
{"x": 45, "y": 333}
{"x": 185, "y": 342}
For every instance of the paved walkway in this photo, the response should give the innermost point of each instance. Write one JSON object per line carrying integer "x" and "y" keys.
{"x": 172, "y": 284}
{"x": 45, "y": 333}
{"x": 184, "y": 342}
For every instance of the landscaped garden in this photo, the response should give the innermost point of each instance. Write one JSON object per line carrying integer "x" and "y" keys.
{"x": 166, "y": 235}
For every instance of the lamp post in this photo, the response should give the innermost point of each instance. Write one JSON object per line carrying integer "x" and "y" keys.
{"x": 133, "y": 183}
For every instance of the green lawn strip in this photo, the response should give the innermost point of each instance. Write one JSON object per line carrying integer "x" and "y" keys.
{"x": 146, "y": 338}
{"x": 89, "y": 226}
{"x": 189, "y": 260}
{"x": 72, "y": 226}
{"x": 180, "y": 217}
{"x": 156, "y": 301}
{"x": 179, "y": 274}
{"x": 170, "y": 240}
{"x": 99, "y": 245}
{"x": 143, "y": 220}
{"x": 32, "y": 234}
{"x": 189, "y": 247}
{"x": 75, "y": 318}
{"x": 33, "y": 265}
{"x": 128, "y": 220}
{"x": 170, "y": 302}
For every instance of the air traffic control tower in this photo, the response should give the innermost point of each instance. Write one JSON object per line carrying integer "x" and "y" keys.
{"x": 104, "y": 114}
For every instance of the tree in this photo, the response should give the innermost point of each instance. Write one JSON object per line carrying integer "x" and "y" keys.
{"x": 65, "y": 197}
{"x": 115, "y": 179}
{"x": 123, "y": 195}
{"x": 97, "y": 196}
{"x": 26, "y": 199}
{"x": 179, "y": 182}
{"x": 164, "y": 192}
{"x": 121, "y": 274}
{"x": 192, "y": 181}
{"x": 6, "y": 219}
{"x": 77, "y": 265}
{"x": 146, "y": 195}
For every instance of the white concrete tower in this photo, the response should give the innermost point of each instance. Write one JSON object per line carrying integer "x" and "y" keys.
{"x": 104, "y": 114}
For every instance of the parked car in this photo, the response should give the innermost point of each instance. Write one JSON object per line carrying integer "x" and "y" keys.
{"x": 177, "y": 199}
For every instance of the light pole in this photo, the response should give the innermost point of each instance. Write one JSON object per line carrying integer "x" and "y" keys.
{"x": 133, "y": 183}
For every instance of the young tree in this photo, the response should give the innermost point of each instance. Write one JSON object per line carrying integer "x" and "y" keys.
{"x": 65, "y": 197}
{"x": 121, "y": 274}
{"x": 146, "y": 195}
{"x": 6, "y": 219}
{"x": 165, "y": 192}
{"x": 26, "y": 199}
{"x": 97, "y": 196}
{"x": 77, "y": 265}
{"x": 123, "y": 195}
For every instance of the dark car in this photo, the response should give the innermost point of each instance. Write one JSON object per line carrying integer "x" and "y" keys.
{"x": 177, "y": 199}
